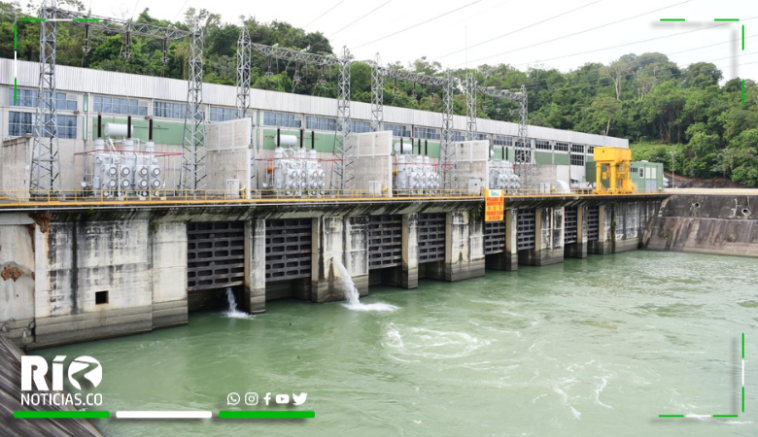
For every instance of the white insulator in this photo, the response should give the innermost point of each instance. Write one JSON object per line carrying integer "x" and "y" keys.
{"x": 405, "y": 148}
{"x": 116, "y": 130}
{"x": 287, "y": 140}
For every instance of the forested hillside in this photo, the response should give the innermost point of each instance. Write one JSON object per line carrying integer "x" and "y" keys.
{"x": 660, "y": 106}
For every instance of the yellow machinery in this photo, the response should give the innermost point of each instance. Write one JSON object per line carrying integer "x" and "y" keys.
{"x": 612, "y": 165}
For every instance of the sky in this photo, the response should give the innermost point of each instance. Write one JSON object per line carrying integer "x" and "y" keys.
{"x": 469, "y": 33}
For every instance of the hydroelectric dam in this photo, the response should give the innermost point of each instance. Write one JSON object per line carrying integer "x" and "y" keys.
{"x": 127, "y": 232}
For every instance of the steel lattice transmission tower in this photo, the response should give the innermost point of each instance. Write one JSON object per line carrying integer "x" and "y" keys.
{"x": 522, "y": 149}
{"x": 448, "y": 154}
{"x": 45, "y": 163}
{"x": 342, "y": 153}
{"x": 244, "y": 66}
{"x": 471, "y": 107}
{"x": 344, "y": 176}
{"x": 377, "y": 95}
{"x": 193, "y": 157}
{"x": 524, "y": 155}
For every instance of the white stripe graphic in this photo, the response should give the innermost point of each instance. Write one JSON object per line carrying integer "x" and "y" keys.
{"x": 163, "y": 414}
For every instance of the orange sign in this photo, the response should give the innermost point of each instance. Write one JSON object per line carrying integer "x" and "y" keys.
{"x": 494, "y": 208}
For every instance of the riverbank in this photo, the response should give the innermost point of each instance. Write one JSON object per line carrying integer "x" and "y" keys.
{"x": 10, "y": 401}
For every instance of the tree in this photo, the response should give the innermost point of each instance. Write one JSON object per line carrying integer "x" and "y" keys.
{"x": 605, "y": 107}
{"x": 702, "y": 75}
{"x": 616, "y": 71}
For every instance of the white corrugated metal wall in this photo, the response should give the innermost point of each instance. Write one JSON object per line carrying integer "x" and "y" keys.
{"x": 82, "y": 80}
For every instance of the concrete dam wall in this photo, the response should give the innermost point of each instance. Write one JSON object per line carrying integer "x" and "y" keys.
{"x": 70, "y": 275}
{"x": 721, "y": 225}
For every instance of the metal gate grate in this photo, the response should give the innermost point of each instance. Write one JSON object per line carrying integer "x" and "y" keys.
{"x": 526, "y": 229}
{"x": 215, "y": 255}
{"x": 288, "y": 249}
{"x": 494, "y": 237}
{"x": 569, "y": 224}
{"x": 431, "y": 237}
{"x": 593, "y": 223}
{"x": 385, "y": 245}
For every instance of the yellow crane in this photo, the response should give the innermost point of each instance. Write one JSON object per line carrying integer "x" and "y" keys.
{"x": 612, "y": 165}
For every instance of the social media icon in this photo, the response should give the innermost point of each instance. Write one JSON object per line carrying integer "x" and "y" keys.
{"x": 233, "y": 399}
{"x": 251, "y": 398}
{"x": 299, "y": 400}
{"x": 282, "y": 399}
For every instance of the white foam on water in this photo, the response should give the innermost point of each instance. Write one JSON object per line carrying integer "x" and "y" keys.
{"x": 599, "y": 389}
{"x": 353, "y": 297}
{"x": 431, "y": 343}
{"x": 233, "y": 312}
{"x": 559, "y": 389}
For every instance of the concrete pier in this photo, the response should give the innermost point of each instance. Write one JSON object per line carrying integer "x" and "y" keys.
{"x": 508, "y": 259}
{"x": 579, "y": 248}
{"x": 254, "y": 295}
{"x": 356, "y": 242}
{"x": 409, "y": 268}
{"x": 327, "y": 245}
{"x": 464, "y": 249}
{"x": 548, "y": 245}
{"x": 604, "y": 243}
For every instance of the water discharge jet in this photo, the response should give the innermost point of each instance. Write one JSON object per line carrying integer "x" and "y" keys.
{"x": 351, "y": 293}
{"x": 233, "y": 312}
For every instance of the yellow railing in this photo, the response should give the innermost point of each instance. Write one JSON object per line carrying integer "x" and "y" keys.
{"x": 68, "y": 197}
{"x": 536, "y": 192}
{"x": 714, "y": 191}
{"x": 136, "y": 197}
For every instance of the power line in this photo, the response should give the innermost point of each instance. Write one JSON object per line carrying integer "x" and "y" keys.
{"x": 135, "y": 8}
{"x": 580, "y": 32}
{"x": 362, "y": 17}
{"x": 180, "y": 10}
{"x": 534, "y": 86}
{"x": 327, "y": 11}
{"x": 627, "y": 44}
{"x": 661, "y": 77}
{"x": 415, "y": 26}
{"x": 483, "y": 13}
{"x": 519, "y": 30}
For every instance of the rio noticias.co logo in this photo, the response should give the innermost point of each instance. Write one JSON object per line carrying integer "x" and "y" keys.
{"x": 33, "y": 371}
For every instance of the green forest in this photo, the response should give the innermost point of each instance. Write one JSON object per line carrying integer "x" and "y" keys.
{"x": 659, "y": 106}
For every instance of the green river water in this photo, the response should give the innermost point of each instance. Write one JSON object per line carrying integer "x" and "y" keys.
{"x": 595, "y": 347}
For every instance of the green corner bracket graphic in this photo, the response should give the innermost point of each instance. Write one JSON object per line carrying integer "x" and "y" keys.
{"x": 725, "y": 416}
{"x": 719, "y": 20}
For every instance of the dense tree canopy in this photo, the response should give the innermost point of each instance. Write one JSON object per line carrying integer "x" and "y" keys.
{"x": 660, "y": 106}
